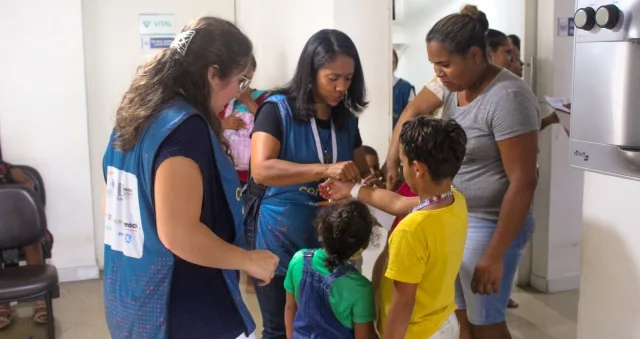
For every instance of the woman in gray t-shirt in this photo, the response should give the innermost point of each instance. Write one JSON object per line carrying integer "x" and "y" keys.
{"x": 501, "y": 117}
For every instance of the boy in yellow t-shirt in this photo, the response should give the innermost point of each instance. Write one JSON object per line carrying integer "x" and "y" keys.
{"x": 417, "y": 297}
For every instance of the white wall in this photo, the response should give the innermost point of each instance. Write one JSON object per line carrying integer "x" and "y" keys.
{"x": 610, "y": 280}
{"x": 367, "y": 22}
{"x": 504, "y": 15}
{"x": 280, "y": 28}
{"x": 112, "y": 50}
{"x": 556, "y": 243}
{"x": 43, "y": 119}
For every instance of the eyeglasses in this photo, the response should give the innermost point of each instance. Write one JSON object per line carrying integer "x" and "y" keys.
{"x": 244, "y": 83}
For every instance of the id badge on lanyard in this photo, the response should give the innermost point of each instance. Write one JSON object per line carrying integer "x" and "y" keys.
{"x": 334, "y": 149}
{"x": 334, "y": 141}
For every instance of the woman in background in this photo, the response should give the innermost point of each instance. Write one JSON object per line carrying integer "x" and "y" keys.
{"x": 517, "y": 65}
{"x": 304, "y": 133}
{"x": 403, "y": 92}
{"x": 172, "y": 205}
{"x": 517, "y": 68}
{"x": 500, "y": 48}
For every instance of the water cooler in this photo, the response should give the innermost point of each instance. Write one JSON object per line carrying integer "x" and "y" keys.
{"x": 605, "y": 118}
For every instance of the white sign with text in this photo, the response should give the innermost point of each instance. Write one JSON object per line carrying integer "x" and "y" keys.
{"x": 157, "y": 24}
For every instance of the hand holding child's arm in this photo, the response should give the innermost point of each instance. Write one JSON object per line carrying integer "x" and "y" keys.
{"x": 404, "y": 297}
{"x": 382, "y": 199}
{"x": 290, "y": 310}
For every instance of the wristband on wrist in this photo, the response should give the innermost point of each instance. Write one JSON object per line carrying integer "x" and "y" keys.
{"x": 355, "y": 191}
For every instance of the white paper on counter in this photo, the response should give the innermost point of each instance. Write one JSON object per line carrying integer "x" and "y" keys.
{"x": 557, "y": 103}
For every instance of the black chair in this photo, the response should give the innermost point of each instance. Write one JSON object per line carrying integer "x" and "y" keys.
{"x": 34, "y": 175}
{"x": 23, "y": 222}
{"x": 15, "y": 256}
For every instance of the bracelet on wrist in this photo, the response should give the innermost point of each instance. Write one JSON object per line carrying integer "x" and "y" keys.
{"x": 355, "y": 191}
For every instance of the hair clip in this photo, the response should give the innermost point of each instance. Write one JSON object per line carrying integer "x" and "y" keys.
{"x": 182, "y": 41}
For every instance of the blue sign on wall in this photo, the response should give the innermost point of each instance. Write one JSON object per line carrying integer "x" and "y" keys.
{"x": 571, "y": 27}
{"x": 160, "y": 43}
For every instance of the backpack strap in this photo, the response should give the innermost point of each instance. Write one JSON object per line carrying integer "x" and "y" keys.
{"x": 259, "y": 100}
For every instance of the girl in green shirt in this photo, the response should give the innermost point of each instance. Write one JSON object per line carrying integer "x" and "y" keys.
{"x": 327, "y": 296}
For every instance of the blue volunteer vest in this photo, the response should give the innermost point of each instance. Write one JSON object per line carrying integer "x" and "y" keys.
{"x": 287, "y": 213}
{"x": 401, "y": 92}
{"x": 138, "y": 267}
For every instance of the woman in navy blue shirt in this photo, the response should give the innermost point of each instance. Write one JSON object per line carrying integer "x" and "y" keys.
{"x": 303, "y": 133}
{"x": 172, "y": 202}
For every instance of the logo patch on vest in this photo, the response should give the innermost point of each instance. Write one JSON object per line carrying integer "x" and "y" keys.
{"x": 309, "y": 190}
{"x": 123, "y": 223}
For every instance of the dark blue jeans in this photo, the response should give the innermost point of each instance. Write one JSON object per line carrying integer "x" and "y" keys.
{"x": 272, "y": 299}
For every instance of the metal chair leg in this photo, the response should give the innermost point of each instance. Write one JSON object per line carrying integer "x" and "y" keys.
{"x": 51, "y": 329}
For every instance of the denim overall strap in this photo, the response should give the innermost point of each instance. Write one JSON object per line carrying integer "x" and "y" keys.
{"x": 340, "y": 272}
{"x": 315, "y": 318}
{"x": 308, "y": 256}
{"x": 307, "y": 269}
{"x": 337, "y": 273}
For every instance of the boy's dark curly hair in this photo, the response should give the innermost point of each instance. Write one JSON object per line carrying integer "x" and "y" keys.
{"x": 440, "y": 144}
{"x": 345, "y": 229}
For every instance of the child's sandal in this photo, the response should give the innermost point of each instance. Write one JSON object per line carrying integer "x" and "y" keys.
{"x": 40, "y": 313}
{"x": 6, "y": 316}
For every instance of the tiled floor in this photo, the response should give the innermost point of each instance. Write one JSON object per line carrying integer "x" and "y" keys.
{"x": 80, "y": 315}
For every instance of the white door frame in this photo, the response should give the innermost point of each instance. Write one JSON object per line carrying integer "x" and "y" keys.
{"x": 529, "y": 46}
